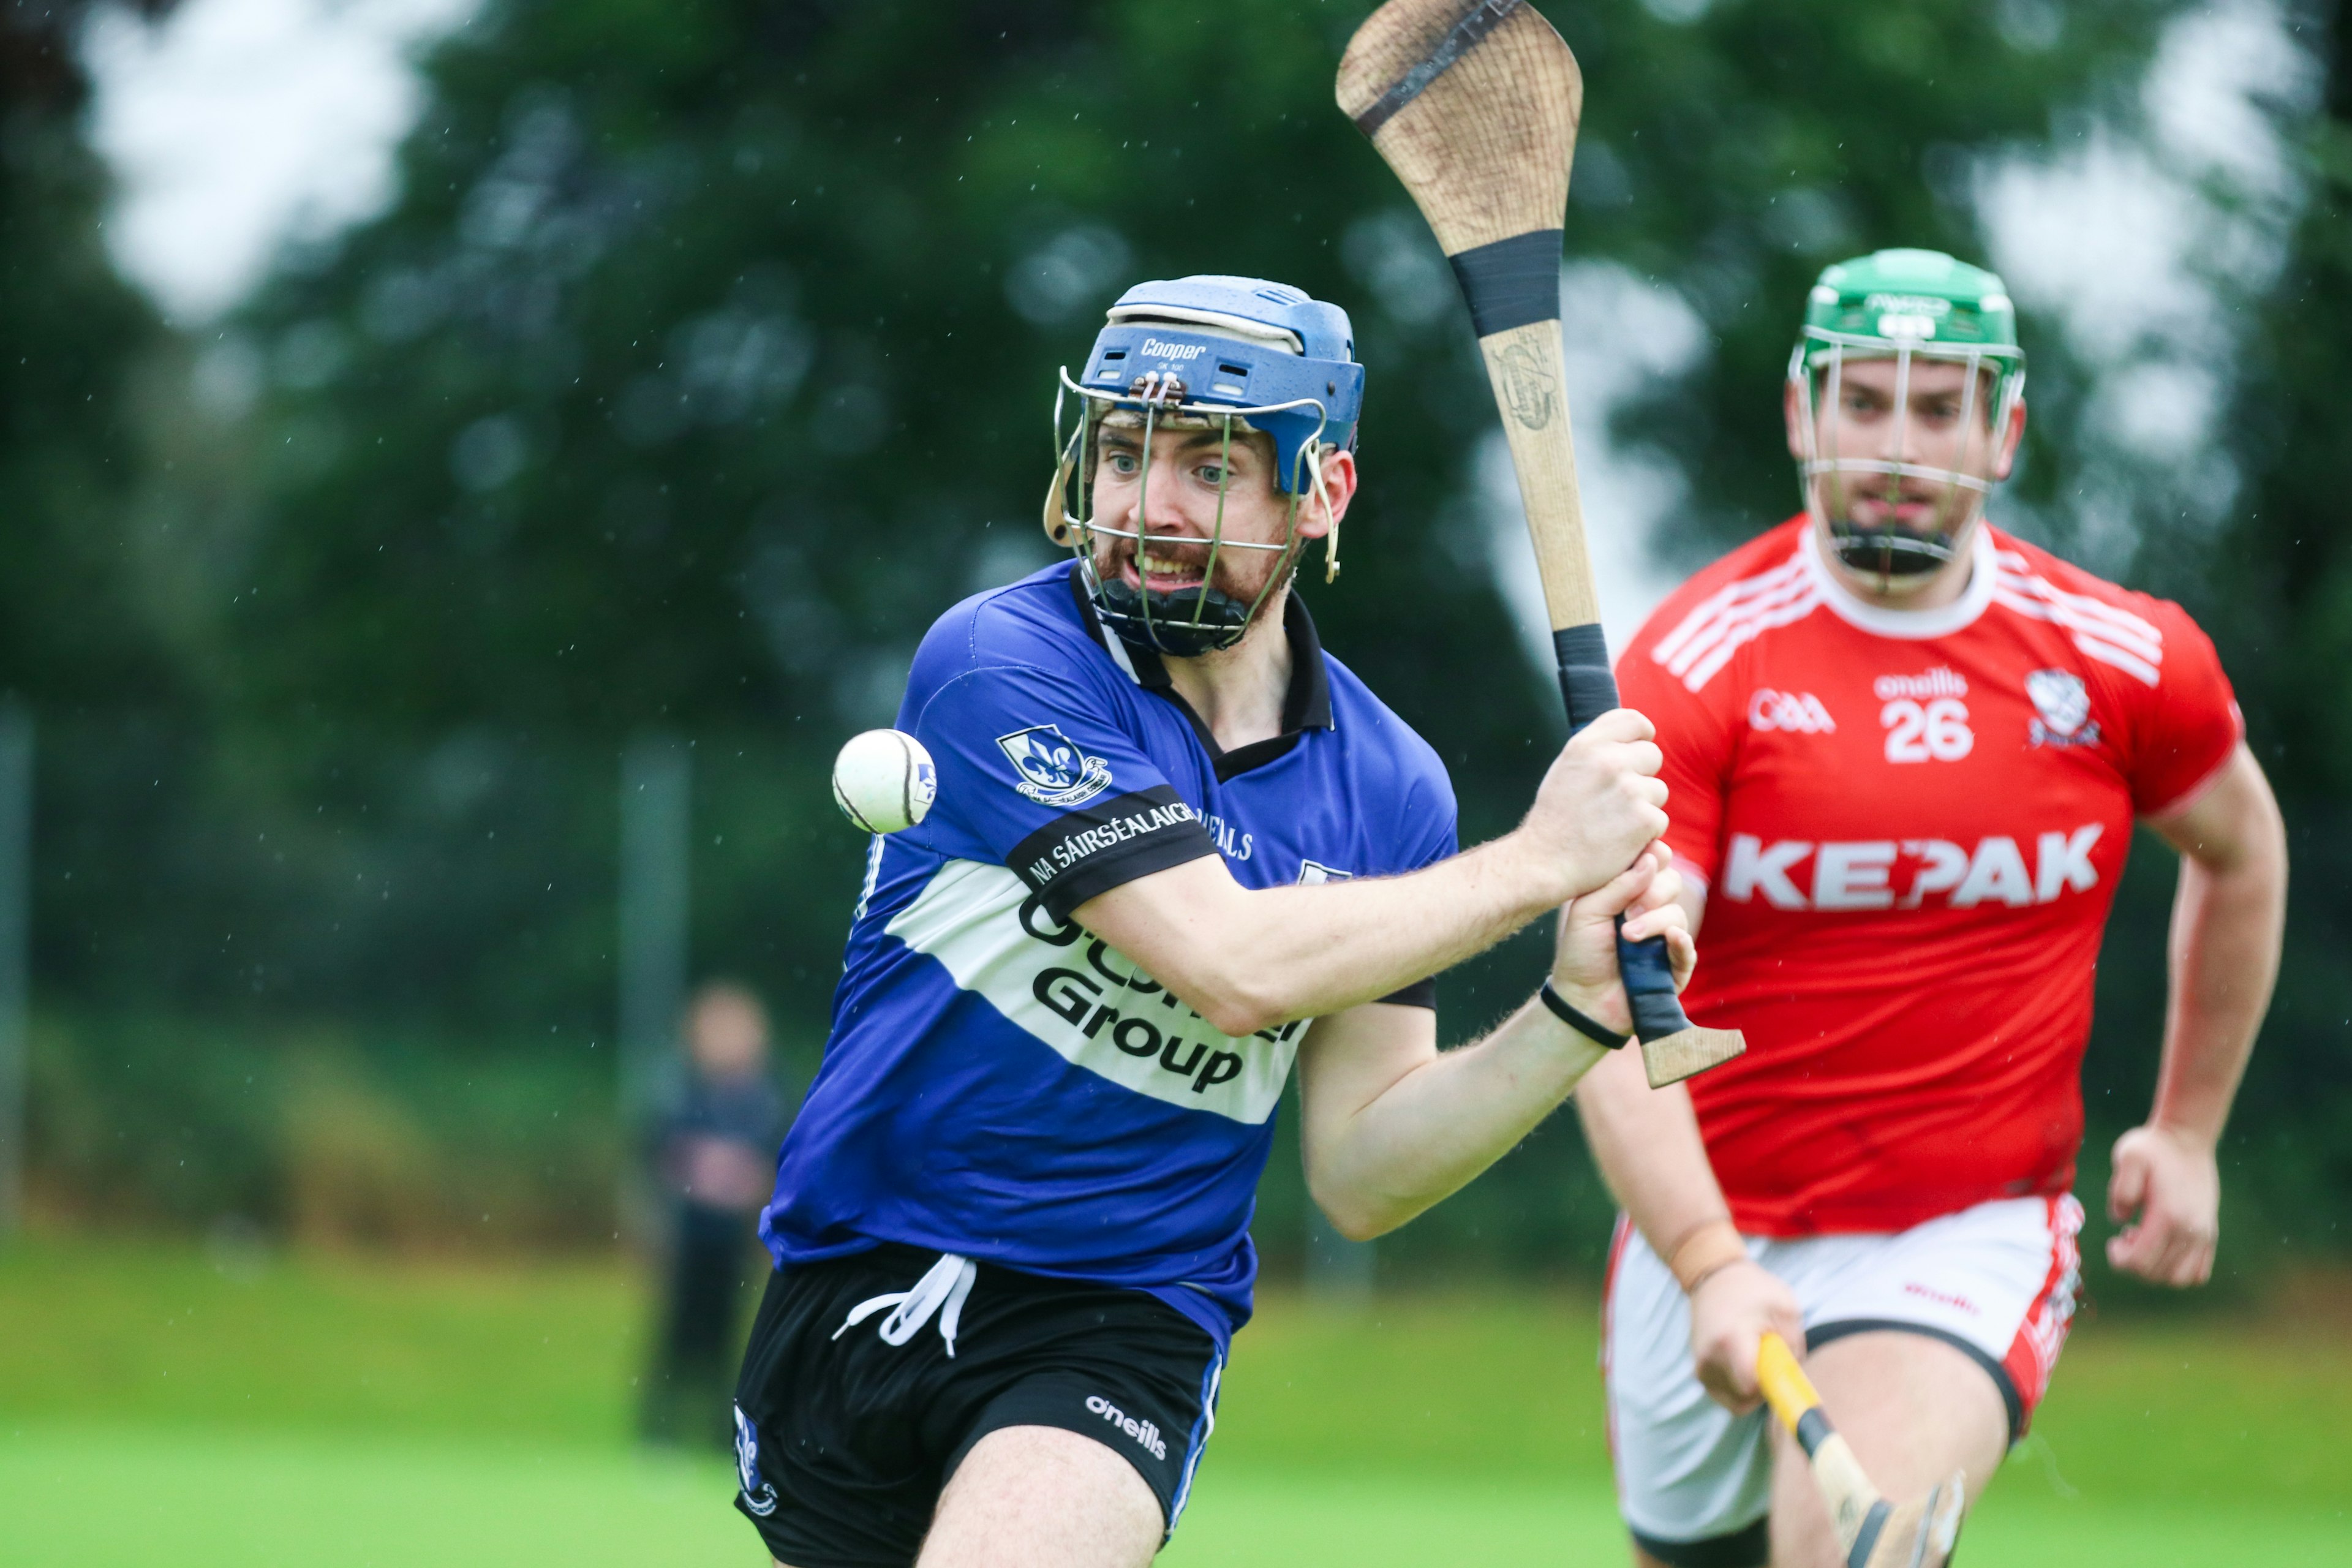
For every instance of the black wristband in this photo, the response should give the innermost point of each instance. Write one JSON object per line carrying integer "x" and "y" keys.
{"x": 1598, "y": 1033}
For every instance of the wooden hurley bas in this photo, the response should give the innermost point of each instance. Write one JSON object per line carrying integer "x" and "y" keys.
{"x": 1473, "y": 103}
{"x": 1871, "y": 1531}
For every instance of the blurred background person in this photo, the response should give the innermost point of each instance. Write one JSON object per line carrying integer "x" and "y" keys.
{"x": 713, "y": 1148}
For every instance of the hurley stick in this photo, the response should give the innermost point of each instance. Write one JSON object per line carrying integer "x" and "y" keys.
{"x": 1871, "y": 1531}
{"x": 1473, "y": 103}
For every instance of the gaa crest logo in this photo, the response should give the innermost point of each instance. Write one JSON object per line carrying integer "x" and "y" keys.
{"x": 758, "y": 1495}
{"x": 1053, "y": 770}
{"x": 2063, "y": 704}
{"x": 1798, "y": 712}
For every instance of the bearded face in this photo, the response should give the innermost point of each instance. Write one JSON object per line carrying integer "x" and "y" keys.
{"x": 1898, "y": 457}
{"x": 1194, "y": 494}
{"x": 1192, "y": 540}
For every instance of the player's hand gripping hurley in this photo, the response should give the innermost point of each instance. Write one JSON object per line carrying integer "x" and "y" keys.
{"x": 1473, "y": 103}
{"x": 1871, "y": 1531}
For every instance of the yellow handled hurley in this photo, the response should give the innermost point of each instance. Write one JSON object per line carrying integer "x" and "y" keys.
{"x": 1871, "y": 1531}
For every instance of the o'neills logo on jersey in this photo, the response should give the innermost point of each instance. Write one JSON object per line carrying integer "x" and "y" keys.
{"x": 1939, "y": 681}
{"x": 1158, "y": 350}
{"x": 1146, "y": 1433}
{"x": 1903, "y": 874}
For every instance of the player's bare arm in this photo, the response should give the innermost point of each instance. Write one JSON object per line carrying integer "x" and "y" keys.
{"x": 2228, "y": 915}
{"x": 1390, "y": 1125}
{"x": 1245, "y": 959}
{"x": 1646, "y": 1143}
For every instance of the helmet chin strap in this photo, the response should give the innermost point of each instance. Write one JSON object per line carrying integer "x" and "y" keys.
{"x": 1190, "y": 622}
{"x": 1200, "y": 618}
{"x": 1184, "y": 623}
{"x": 1898, "y": 562}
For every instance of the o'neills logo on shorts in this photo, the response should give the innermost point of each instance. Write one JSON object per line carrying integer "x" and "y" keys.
{"x": 1146, "y": 1433}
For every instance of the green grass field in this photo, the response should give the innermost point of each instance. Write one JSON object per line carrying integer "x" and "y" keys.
{"x": 315, "y": 1411}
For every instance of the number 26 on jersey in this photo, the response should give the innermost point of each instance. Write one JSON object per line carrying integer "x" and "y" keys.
{"x": 1934, "y": 730}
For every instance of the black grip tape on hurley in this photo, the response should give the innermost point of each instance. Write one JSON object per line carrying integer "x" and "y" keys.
{"x": 1590, "y": 690}
{"x": 1510, "y": 282}
{"x": 1465, "y": 35}
{"x": 1585, "y": 680}
{"x": 1865, "y": 1539}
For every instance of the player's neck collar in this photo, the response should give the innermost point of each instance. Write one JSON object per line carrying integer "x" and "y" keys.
{"x": 1912, "y": 626}
{"x": 1305, "y": 704}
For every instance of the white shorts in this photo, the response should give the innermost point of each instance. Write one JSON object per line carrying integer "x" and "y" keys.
{"x": 1997, "y": 1281}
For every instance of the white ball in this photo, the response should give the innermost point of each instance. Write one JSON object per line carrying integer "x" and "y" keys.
{"x": 884, "y": 781}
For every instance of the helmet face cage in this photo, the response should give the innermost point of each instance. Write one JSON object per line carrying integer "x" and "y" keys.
{"x": 1893, "y": 552}
{"x": 1192, "y": 621}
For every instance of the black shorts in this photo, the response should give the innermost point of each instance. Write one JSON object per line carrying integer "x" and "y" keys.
{"x": 843, "y": 1440}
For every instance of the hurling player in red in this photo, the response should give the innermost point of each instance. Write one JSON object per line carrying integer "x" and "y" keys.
{"x": 1906, "y": 752}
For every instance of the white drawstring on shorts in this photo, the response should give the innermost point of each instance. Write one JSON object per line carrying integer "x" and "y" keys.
{"x": 941, "y": 1289}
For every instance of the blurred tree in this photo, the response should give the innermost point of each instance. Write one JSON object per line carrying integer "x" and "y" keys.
{"x": 2278, "y": 594}
{"x": 71, "y": 336}
{"x": 706, "y": 354}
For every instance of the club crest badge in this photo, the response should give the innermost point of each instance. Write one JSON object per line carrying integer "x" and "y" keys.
{"x": 1053, "y": 770}
{"x": 1313, "y": 874}
{"x": 2063, "y": 704}
{"x": 758, "y": 1495}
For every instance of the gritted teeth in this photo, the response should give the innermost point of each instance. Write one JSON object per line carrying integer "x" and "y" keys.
{"x": 1163, "y": 566}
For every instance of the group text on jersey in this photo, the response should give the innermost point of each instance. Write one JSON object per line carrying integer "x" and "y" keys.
{"x": 1076, "y": 996}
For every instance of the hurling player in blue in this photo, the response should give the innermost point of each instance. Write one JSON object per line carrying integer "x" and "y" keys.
{"x": 1176, "y": 846}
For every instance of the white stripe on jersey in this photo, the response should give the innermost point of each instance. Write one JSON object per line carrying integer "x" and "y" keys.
{"x": 1705, "y": 640}
{"x": 1734, "y": 616}
{"x": 1088, "y": 1001}
{"x": 2108, "y": 632}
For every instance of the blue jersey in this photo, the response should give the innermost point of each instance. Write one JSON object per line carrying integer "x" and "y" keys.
{"x": 999, "y": 1084}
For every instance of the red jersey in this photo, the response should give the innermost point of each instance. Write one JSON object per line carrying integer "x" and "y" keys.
{"x": 1909, "y": 826}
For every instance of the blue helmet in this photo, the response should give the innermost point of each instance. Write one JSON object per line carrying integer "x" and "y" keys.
{"x": 1241, "y": 343}
{"x": 1242, "y": 353}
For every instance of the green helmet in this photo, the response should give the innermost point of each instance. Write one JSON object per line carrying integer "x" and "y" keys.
{"x": 1903, "y": 305}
